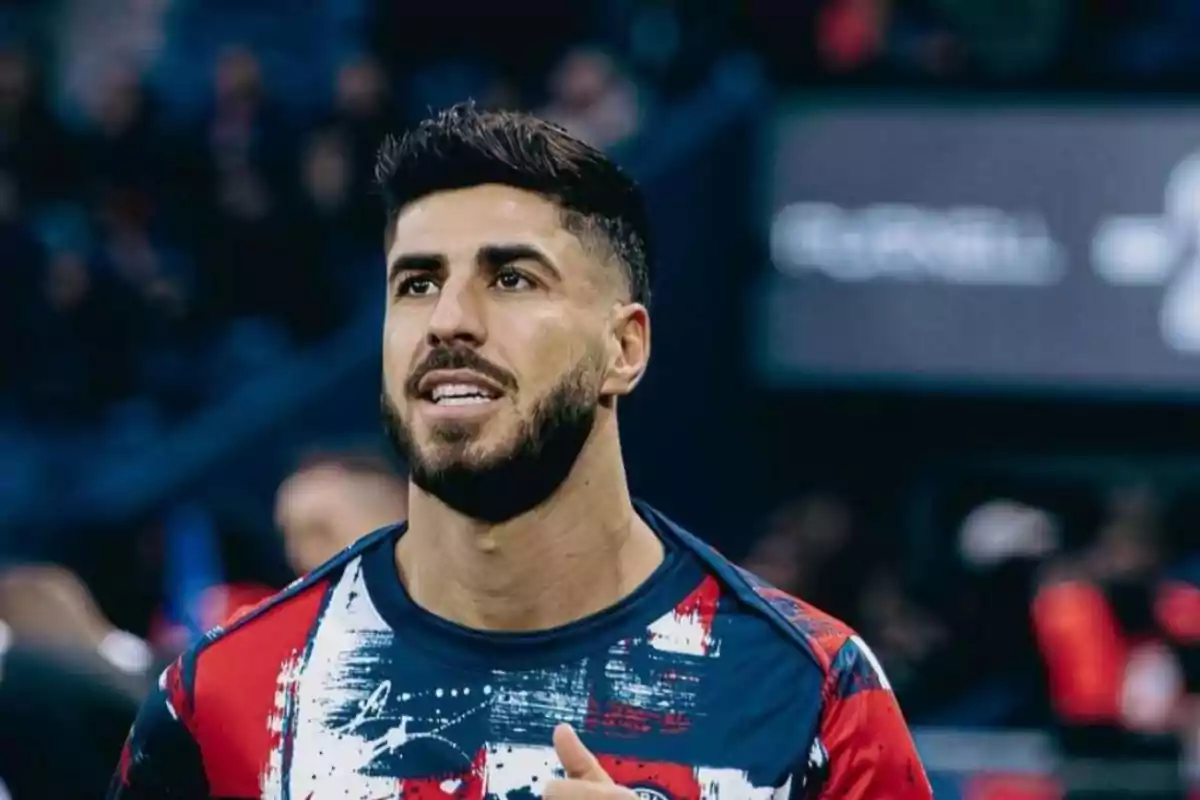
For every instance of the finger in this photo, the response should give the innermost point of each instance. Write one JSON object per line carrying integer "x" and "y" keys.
{"x": 576, "y": 759}
{"x": 585, "y": 790}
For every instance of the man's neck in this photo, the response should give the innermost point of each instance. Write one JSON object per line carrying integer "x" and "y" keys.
{"x": 578, "y": 553}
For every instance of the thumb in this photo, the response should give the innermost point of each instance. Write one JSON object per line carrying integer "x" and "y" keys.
{"x": 576, "y": 759}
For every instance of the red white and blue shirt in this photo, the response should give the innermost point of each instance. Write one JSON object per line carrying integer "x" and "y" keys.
{"x": 704, "y": 683}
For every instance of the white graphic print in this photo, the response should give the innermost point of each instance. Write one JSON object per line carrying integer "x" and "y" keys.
{"x": 869, "y": 655}
{"x": 685, "y": 633}
{"x": 334, "y": 754}
{"x": 285, "y": 690}
{"x": 350, "y": 727}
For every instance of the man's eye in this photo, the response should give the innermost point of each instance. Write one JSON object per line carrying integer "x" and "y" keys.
{"x": 416, "y": 286}
{"x": 511, "y": 281}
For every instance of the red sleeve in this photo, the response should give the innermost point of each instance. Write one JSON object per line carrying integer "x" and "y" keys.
{"x": 1177, "y": 608}
{"x": 1083, "y": 650}
{"x": 869, "y": 749}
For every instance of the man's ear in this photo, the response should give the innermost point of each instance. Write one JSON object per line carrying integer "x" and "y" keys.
{"x": 629, "y": 349}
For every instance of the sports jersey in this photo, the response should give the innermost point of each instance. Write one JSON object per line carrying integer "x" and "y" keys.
{"x": 704, "y": 683}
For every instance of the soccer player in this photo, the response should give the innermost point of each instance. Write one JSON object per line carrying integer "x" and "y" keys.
{"x": 531, "y": 631}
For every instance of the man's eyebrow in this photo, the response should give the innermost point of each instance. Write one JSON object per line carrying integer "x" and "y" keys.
{"x": 497, "y": 255}
{"x": 414, "y": 262}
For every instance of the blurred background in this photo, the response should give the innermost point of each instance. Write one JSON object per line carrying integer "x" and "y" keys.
{"x": 929, "y": 282}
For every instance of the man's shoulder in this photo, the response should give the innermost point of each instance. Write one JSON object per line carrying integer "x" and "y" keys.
{"x": 820, "y": 637}
{"x": 825, "y": 634}
{"x": 848, "y": 662}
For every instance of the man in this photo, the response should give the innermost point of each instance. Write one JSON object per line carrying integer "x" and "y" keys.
{"x": 331, "y": 501}
{"x": 1119, "y": 636}
{"x": 531, "y": 631}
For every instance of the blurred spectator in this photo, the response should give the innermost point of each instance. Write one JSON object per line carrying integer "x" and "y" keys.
{"x": 851, "y": 33}
{"x": 1001, "y": 530}
{"x": 77, "y": 355}
{"x": 33, "y": 149}
{"x": 122, "y": 148}
{"x": 593, "y": 99}
{"x": 364, "y": 112}
{"x": 908, "y": 639}
{"x": 1120, "y": 642}
{"x": 809, "y": 551}
{"x": 48, "y": 606}
{"x": 161, "y": 308}
{"x": 335, "y": 223}
{"x": 70, "y": 681}
{"x": 21, "y": 263}
{"x": 333, "y": 500}
{"x": 338, "y": 160}
{"x": 251, "y": 261}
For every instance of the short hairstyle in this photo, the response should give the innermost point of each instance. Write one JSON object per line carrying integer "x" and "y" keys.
{"x": 463, "y": 146}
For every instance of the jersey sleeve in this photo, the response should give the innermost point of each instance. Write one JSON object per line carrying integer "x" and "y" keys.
{"x": 863, "y": 746}
{"x": 161, "y": 758}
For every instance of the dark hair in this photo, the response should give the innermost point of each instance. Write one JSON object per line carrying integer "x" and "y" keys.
{"x": 464, "y": 146}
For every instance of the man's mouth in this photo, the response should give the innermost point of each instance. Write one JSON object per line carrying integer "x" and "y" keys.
{"x": 460, "y": 394}
{"x": 457, "y": 388}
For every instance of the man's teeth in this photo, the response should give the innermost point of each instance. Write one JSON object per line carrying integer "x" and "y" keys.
{"x": 460, "y": 394}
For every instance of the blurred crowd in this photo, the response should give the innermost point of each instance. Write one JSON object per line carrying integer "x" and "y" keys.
{"x": 162, "y": 241}
{"x": 155, "y": 254}
{"x": 1076, "y": 610}
{"x": 1098, "y": 44}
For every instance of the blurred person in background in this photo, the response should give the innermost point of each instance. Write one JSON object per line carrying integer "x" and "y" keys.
{"x": 1003, "y": 546}
{"x": 518, "y": 278}
{"x": 337, "y": 217}
{"x": 332, "y": 501}
{"x": 23, "y": 258}
{"x": 808, "y": 551}
{"x": 1120, "y": 641}
{"x": 122, "y": 147}
{"x": 593, "y": 99}
{"x": 70, "y": 682}
{"x": 364, "y": 112}
{"x": 908, "y": 638}
{"x": 251, "y": 249}
{"x": 33, "y": 147}
{"x": 78, "y": 353}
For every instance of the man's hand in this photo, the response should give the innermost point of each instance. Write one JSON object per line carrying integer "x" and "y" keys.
{"x": 586, "y": 779}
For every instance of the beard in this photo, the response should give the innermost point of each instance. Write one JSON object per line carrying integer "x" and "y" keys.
{"x": 499, "y": 486}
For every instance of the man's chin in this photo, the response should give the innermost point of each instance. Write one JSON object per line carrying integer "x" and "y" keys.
{"x": 461, "y": 455}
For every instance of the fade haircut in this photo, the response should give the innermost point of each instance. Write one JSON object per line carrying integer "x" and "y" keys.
{"x": 464, "y": 146}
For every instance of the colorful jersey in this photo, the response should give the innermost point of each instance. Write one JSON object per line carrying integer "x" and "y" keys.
{"x": 704, "y": 683}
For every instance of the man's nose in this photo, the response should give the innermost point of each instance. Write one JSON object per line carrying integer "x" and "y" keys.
{"x": 458, "y": 316}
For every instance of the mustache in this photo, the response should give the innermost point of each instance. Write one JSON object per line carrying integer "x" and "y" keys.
{"x": 458, "y": 358}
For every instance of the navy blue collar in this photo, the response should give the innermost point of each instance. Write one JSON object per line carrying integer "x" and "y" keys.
{"x": 674, "y": 579}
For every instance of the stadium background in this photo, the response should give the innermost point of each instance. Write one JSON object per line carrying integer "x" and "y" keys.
{"x": 927, "y": 318}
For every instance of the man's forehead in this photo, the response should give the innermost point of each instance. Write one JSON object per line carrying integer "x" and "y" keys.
{"x": 467, "y": 219}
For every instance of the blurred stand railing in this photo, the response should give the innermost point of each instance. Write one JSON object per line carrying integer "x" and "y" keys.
{"x": 681, "y": 430}
{"x": 1025, "y": 765}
